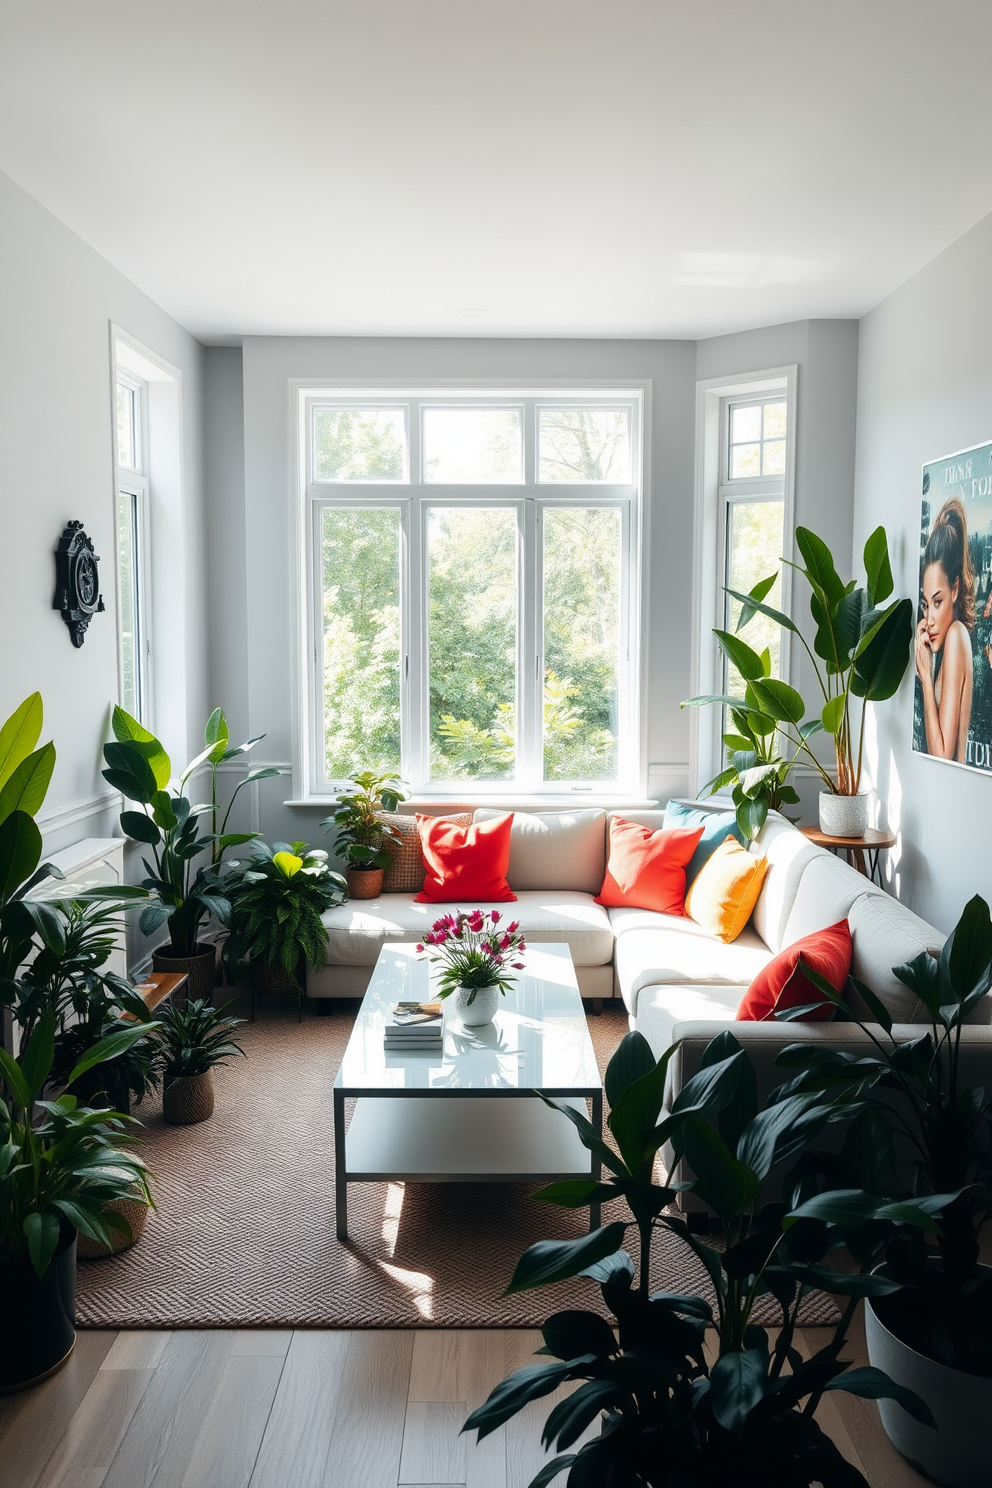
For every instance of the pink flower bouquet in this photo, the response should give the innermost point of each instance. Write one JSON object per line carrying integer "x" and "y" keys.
{"x": 473, "y": 951}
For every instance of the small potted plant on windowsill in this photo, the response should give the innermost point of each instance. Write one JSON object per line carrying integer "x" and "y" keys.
{"x": 474, "y": 956}
{"x": 277, "y": 899}
{"x": 362, "y": 833}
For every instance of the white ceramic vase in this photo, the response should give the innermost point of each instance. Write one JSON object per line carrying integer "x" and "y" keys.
{"x": 957, "y": 1453}
{"x": 844, "y": 816}
{"x": 481, "y": 1010}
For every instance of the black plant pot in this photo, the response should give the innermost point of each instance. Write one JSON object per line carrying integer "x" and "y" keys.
{"x": 37, "y": 1317}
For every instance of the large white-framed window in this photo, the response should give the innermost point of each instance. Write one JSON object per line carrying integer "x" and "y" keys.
{"x": 132, "y": 500}
{"x": 745, "y": 478}
{"x": 470, "y": 594}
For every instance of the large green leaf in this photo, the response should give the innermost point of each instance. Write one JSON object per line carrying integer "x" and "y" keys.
{"x": 568, "y": 1334}
{"x": 20, "y": 734}
{"x": 632, "y": 1059}
{"x": 556, "y": 1260}
{"x": 10, "y": 1072}
{"x": 873, "y": 1384}
{"x": 20, "y": 852}
{"x": 108, "y": 1048}
{"x": 743, "y": 657}
{"x": 128, "y": 730}
{"x": 779, "y": 700}
{"x": 217, "y": 736}
{"x": 572, "y": 1415}
{"x": 820, "y": 570}
{"x": 738, "y": 1382}
{"x": 877, "y": 567}
{"x": 37, "y": 1056}
{"x": 517, "y": 1390}
{"x": 25, "y": 789}
{"x": 883, "y": 656}
{"x": 635, "y": 1114}
{"x": 967, "y": 952}
{"x": 42, "y": 1232}
{"x": 751, "y": 607}
{"x": 130, "y": 771}
{"x": 140, "y": 827}
{"x": 832, "y": 716}
{"x": 721, "y": 1181}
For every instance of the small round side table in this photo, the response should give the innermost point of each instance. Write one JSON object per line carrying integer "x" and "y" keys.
{"x": 862, "y": 852}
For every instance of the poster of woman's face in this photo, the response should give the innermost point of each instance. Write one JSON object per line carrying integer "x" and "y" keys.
{"x": 952, "y": 714}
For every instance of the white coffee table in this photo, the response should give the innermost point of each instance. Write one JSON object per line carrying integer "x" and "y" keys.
{"x": 406, "y": 1126}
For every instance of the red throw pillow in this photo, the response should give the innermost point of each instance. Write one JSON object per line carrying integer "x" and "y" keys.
{"x": 645, "y": 869}
{"x": 781, "y": 984}
{"x": 465, "y": 863}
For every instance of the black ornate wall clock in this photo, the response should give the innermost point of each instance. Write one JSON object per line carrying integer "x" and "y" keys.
{"x": 77, "y": 581}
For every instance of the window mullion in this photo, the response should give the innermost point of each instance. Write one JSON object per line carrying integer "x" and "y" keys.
{"x": 414, "y": 680}
{"x": 530, "y": 667}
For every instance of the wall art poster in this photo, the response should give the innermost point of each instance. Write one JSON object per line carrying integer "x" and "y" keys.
{"x": 952, "y": 713}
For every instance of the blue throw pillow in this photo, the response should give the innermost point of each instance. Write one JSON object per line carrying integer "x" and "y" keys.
{"x": 716, "y": 825}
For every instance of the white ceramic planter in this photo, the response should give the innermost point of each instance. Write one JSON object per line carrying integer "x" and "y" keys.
{"x": 481, "y": 1010}
{"x": 957, "y": 1453}
{"x": 844, "y": 816}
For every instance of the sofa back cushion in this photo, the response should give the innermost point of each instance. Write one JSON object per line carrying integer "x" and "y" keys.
{"x": 787, "y": 853}
{"x": 555, "y": 849}
{"x": 715, "y": 827}
{"x": 827, "y": 890}
{"x": 886, "y": 934}
{"x": 405, "y": 874}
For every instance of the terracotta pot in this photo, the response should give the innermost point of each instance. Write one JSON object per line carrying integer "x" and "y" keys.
{"x": 201, "y": 970}
{"x": 37, "y": 1317}
{"x": 364, "y": 883}
{"x": 189, "y": 1100}
{"x": 135, "y": 1211}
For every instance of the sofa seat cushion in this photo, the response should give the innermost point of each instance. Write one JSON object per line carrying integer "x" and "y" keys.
{"x": 665, "y": 949}
{"x": 661, "y": 1009}
{"x": 357, "y": 930}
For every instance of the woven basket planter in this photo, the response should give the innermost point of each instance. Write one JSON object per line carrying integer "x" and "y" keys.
{"x": 364, "y": 883}
{"x": 201, "y": 970}
{"x": 135, "y": 1211}
{"x": 189, "y": 1100}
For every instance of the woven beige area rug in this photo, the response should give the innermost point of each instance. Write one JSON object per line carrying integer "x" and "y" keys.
{"x": 243, "y": 1233}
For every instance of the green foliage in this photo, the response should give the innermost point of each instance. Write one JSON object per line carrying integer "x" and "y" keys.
{"x": 362, "y": 834}
{"x": 670, "y": 1418}
{"x": 196, "y": 1036}
{"x": 58, "y": 1168}
{"x": 24, "y": 775}
{"x": 169, "y": 824}
{"x": 277, "y": 899}
{"x": 915, "y": 1090}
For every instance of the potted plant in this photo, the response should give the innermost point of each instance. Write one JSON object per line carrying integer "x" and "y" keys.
{"x": 859, "y": 654}
{"x": 168, "y": 824}
{"x": 934, "y": 1130}
{"x": 756, "y": 772}
{"x": 196, "y": 1037}
{"x": 277, "y": 899}
{"x": 362, "y": 833}
{"x": 474, "y": 955}
{"x": 61, "y": 1163}
{"x": 672, "y": 1412}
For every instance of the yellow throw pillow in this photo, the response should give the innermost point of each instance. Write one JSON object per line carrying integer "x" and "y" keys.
{"x": 725, "y": 890}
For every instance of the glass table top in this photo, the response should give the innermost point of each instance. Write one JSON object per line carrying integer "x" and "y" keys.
{"x": 538, "y": 1040}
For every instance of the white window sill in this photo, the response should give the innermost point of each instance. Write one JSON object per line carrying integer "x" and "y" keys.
{"x": 573, "y": 800}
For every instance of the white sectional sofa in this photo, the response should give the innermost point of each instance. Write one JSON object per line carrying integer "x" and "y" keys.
{"x": 676, "y": 981}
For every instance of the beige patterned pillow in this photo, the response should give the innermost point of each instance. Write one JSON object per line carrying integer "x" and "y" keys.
{"x": 405, "y": 874}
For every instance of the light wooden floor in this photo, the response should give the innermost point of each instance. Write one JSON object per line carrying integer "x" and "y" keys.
{"x": 238, "y": 1409}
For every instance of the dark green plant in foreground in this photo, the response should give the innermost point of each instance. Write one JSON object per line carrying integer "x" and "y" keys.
{"x": 668, "y": 1417}
{"x": 277, "y": 899}
{"x": 195, "y": 1037}
{"x": 932, "y": 1133}
{"x": 60, "y": 1162}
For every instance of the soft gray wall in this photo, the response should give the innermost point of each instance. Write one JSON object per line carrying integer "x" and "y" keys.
{"x": 57, "y": 301}
{"x": 263, "y": 673}
{"x": 925, "y": 390}
{"x": 826, "y": 355}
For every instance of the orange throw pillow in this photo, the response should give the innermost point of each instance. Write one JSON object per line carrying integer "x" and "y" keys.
{"x": 645, "y": 869}
{"x": 782, "y": 984}
{"x": 725, "y": 890}
{"x": 465, "y": 863}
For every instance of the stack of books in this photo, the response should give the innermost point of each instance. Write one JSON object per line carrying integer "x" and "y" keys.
{"x": 414, "y": 1025}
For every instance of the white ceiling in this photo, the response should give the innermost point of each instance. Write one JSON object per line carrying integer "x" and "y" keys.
{"x": 502, "y": 167}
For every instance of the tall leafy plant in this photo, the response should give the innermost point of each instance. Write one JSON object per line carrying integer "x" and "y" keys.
{"x": 169, "y": 824}
{"x": 362, "y": 834}
{"x": 933, "y": 1131}
{"x": 25, "y": 773}
{"x": 277, "y": 899}
{"x": 60, "y": 1162}
{"x": 671, "y": 1416}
